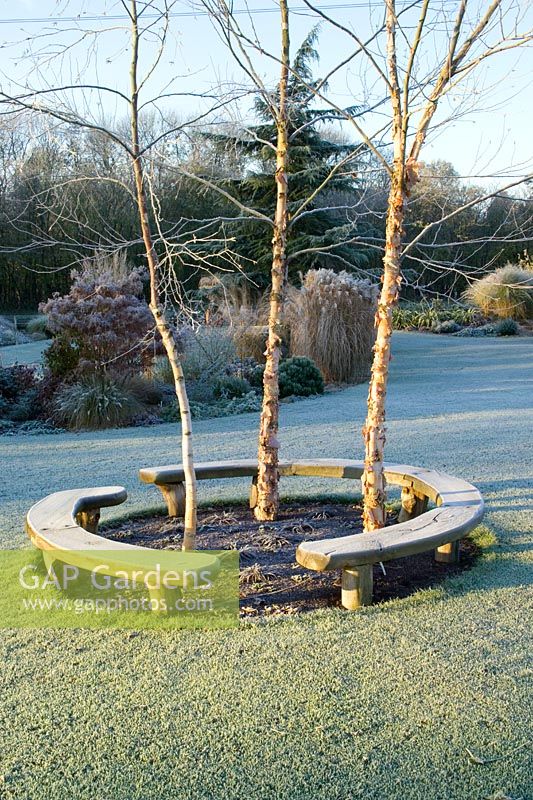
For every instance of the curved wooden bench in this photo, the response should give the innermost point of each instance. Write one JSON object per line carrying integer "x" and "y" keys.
{"x": 170, "y": 479}
{"x": 69, "y": 519}
{"x": 64, "y": 527}
{"x": 459, "y": 508}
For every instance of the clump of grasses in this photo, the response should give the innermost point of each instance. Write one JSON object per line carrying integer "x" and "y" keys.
{"x": 99, "y": 401}
{"x": 232, "y": 300}
{"x": 250, "y": 342}
{"x": 505, "y": 293}
{"x": 272, "y": 542}
{"x": 37, "y": 327}
{"x": 207, "y": 352}
{"x": 332, "y": 322}
{"x": 430, "y": 315}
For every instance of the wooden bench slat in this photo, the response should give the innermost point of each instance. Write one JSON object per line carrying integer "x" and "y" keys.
{"x": 51, "y": 522}
{"x": 207, "y": 470}
{"x": 52, "y": 528}
{"x": 204, "y": 471}
{"x": 430, "y": 530}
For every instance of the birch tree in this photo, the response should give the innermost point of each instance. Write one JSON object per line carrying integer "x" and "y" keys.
{"x": 267, "y": 485}
{"x": 53, "y": 103}
{"x": 416, "y": 76}
{"x": 407, "y": 146}
{"x": 242, "y": 45}
{"x": 267, "y": 475}
{"x": 161, "y": 320}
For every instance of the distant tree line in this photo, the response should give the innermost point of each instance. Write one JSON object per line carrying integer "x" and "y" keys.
{"x": 65, "y": 195}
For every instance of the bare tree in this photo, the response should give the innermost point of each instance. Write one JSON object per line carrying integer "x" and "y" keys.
{"x": 415, "y": 83}
{"x": 267, "y": 492}
{"x": 153, "y": 237}
{"x": 244, "y": 46}
{"x": 156, "y": 307}
{"x": 407, "y": 146}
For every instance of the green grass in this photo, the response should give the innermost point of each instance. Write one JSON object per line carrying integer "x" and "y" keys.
{"x": 381, "y": 704}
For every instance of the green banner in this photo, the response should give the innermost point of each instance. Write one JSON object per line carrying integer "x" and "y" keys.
{"x": 131, "y": 589}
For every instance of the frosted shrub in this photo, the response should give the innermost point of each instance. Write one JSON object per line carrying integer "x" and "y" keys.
{"x": 332, "y": 322}
{"x": 506, "y": 293}
{"x": 208, "y": 351}
{"x": 102, "y": 322}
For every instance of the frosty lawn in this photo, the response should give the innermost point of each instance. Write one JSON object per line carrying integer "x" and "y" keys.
{"x": 29, "y": 353}
{"x": 378, "y": 704}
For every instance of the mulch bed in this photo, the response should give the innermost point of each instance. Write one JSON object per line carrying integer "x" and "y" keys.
{"x": 271, "y": 582}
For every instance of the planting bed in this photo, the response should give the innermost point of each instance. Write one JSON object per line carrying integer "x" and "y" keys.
{"x": 271, "y": 581}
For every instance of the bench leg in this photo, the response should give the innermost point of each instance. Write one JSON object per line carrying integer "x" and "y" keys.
{"x": 413, "y": 504}
{"x": 88, "y": 520}
{"x": 174, "y": 497}
{"x": 253, "y": 492}
{"x": 357, "y": 587}
{"x": 448, "y": 553}
{"x": 48, "y": 558}
{"x": 163, "y": 600}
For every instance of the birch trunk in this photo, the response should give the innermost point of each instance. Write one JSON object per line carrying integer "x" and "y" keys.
{"x": 169, "y": 343}
{"x": 373, "y": 478}
{"x": 268, "y": 476}
{"x": 158, "y": 312}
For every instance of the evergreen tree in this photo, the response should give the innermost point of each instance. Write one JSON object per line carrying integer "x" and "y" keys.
{"x": 329, "y": 221}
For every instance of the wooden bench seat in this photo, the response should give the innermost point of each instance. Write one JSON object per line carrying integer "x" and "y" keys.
{"x": 68, "y": 520}
{"x": 64, "y": 526}
{"x": 459, "y": 509}
{"x": 170, "y": 479}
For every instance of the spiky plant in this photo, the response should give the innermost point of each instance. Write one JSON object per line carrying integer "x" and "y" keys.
{"x": 332, "y": 322}
{"x": 98, "y": 401}
{"x": 254, "y": 575}
{"x": 506, "y": 293}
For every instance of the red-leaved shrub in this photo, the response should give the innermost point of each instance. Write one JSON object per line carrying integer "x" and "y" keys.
{"x": 102, "y": 324}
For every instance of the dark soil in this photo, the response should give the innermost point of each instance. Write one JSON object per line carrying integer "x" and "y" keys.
{"x": 271, "y": 582}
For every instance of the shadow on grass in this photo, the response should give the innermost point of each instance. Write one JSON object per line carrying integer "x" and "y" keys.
{"x": 514, "y": 499}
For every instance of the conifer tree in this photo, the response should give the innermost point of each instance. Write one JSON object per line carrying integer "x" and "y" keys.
{"x": 327, "y": 228}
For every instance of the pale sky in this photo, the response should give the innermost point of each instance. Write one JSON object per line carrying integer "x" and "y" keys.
{"x": 493, "y": 138}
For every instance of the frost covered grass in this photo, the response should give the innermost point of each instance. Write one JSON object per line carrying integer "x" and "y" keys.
{"x": 29, "y": 353}
{"x": 396, "y": 701}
